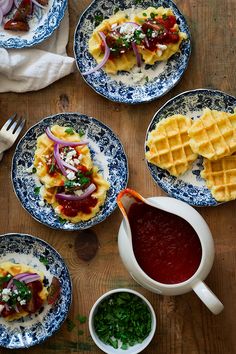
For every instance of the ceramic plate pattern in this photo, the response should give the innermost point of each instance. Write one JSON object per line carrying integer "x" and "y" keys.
{"x": 34, "y": 329}
{"x": 42, "y": 25}
{"x": 189, "y": 187}
{"x": 103, "y": 83}
{"x": 107, "y": 153}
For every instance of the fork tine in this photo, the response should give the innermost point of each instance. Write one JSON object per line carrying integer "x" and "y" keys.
{"x": 9, "y": 121}
{"x": 20, "y": 127}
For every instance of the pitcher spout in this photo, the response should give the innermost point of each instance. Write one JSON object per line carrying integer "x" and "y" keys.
{"x": 126, "y": 198}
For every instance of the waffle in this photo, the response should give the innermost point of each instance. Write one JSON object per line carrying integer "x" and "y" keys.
{"x": 169, "y": 146}
{"x": 213, "y": 135}
{"x": 220, "y": 177}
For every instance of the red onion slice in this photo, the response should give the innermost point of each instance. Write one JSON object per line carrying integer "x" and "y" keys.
{"x": 29, "y": 278}
{"x": 70, "y": 197}
{"x": 138, "y": 57}
{"x": 105, "y": 58}
{"x": 72, "y": 168}
{"x": 1, "y": 16}
{"x": 22, "y": 277}
{"x": 58, "y": 159}
{"x": 5, "y": 6}
{"x": 64, "y": 142}
{"x": 38, "y": 4}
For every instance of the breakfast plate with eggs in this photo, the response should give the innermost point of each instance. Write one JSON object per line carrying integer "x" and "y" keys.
{"x": 35, "y": 291}
{"x": 67, "y": 171}
{"x": 131, "y": 51}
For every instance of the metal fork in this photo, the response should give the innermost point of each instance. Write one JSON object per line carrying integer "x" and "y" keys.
{"x": 10, "y": 132}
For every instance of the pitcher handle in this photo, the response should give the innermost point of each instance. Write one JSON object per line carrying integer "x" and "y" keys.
{"x": 208, "y": 297}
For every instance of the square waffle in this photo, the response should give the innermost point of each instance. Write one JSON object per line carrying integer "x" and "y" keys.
{"x": 220, "y": 177}
{"x": 169, "y": 146}
{"x": 213, "y": 135}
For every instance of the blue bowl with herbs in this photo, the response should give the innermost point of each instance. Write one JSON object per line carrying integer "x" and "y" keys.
{"x": 122, "y": 320}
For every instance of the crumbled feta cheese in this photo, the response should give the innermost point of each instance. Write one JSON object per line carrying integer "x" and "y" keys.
{"x": 128, "y": 28}
{"x": 41, "y": 203}
{"x": 159, "y": 52}
{"x": 162, "y": 47}
{"x": 23, "y": 302}
{"x": 79, "y": 192}
{"x": 114, "y": 26}
{"x": 76, "y": 161}
{"x": 6, "y": 291}
{"x": 71, "y": 176}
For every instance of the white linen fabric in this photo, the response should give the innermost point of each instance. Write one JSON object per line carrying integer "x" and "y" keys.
{"x": 31, "y": 69}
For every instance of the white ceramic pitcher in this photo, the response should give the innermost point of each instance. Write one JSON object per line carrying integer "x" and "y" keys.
{"x": 173, "y": 206}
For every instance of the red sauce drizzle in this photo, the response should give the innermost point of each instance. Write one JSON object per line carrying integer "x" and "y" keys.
{"x": 166, "y": 246}
{"x": 72, "y": 208}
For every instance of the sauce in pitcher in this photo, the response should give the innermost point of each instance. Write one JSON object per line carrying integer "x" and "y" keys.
{"x": 166, "y": 246}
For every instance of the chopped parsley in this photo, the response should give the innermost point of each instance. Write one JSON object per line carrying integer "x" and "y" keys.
{"x": 164, "y": 16}
{"x": 43, "y": 260}
{"x": 70, "y": 325}
{"x": 61, "y": 220}
{"x": 82, "y": 179}
{"x": 116, "y": 10}
{"x": 122, "y": 317}
{"x": 69, "y": 131}
{"x": 146, "y": 79}
{"x": 37, "y": 190}
{"x": 5, "y": 279}
{"x": 98, "y": 19}
{"x": 81, "y": 132}
{"x": 81, "y": 319}
{"x": 52, "y": 168}
{"x": 153, "y": 15}
{"x": 34, "y": 170}
{"x": 144, "y": 14}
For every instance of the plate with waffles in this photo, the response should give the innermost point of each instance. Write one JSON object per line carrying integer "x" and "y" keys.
{"x": 190, "y": 147}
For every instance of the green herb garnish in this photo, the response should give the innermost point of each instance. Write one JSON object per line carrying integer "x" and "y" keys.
{"x": 164, "y": 17}
{"x": 82, "y": 179}
{"x": 34, "y": 170}
{"x": 116, "y": 10}
{"x": 69, "y": 131}
{"x": 37, "y": 190}
{"x": 5, "y": 279}
{"x": 98, "y": 19}
{"x": 81, "y": 319}
{"x": 81, "y": 132}
{"x": 146, "y": 79}
{"x": 52, "y": 168}
{"x": 153, "y": 15}
{"x": 70, "y": 325}
{"x": 23, "y": 291}
{"x": 144, "y": 14}
{"x": 122, "y": 317}
{"x": 43, "y": 260}
{"x": 61, "y": 220}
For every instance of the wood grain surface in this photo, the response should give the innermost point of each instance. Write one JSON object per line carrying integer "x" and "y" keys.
{"x": 185, "y": 326}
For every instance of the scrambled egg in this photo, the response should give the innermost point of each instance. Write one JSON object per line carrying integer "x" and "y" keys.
{"x": 51, "y": 183}
{"x": 127, "y": 60}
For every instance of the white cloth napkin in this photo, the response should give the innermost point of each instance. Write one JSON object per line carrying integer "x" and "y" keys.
{"x": 31, "y": 69}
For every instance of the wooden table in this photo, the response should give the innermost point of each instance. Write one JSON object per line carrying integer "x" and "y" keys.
{"x": 184, "y": 324}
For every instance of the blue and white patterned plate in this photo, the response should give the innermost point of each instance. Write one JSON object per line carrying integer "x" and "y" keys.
{"x": 42, "y": 24}
{"x": 34, "y": 329}
{"x": 107, "y": 153}
{"x": 165, "y": 75}
{"x": 189, "y": 187}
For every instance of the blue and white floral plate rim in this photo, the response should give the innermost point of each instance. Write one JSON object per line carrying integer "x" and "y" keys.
{"x": 107, "y": 152}
{"x": 189, "y": 187}
{"x": 117, "y": 91}
{"x": 42, "y": 25}
{"x": 35, "y": 329}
